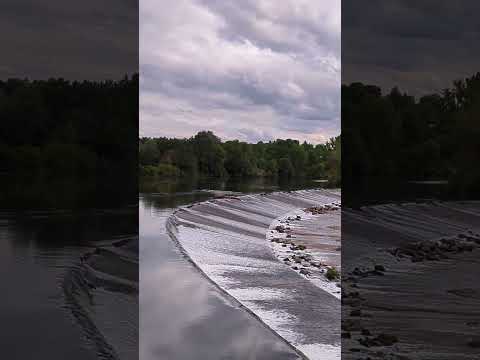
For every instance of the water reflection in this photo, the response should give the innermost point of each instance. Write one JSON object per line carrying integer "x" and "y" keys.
{"x": 45, "y": 226}
{"x": 188, "y": 186}
{"x": 182, "y": 315}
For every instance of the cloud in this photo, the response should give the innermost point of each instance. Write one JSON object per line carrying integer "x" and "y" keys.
{"x": 422, "y": 46}
{"x": 89, "y": 39}
{"x": 253, "y": 70}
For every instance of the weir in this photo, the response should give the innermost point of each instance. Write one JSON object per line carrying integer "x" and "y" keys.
{"x": 410, "y": 286}
{"x": 226, "y": 238}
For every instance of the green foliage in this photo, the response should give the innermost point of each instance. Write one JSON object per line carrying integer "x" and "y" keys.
{"x": 332, "y": 274}
{"x": 396, "y": 136}
{"x": 205, "y": 155}
{"x": 210, "y": 154}
{"x": 160, "y": 170}
{"x": 75, "y": 128}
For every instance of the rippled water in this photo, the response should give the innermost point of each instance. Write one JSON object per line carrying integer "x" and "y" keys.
{"x": 37, "y": 250}
{"x": 44, "y": 230}
{"x": 182, "y": 314}
{"x": 428, "y": 297}
{"x": 226, "y": 238}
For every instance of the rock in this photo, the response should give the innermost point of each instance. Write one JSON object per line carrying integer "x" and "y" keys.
{"x": 346, "y": 335}
{"x": 380, "y": 340}
{"x": 304, "y": 272}
{"x": 366, "y": 332}
{"x": 294, "y": 268}
{"x": 387, "y": 340}
{"x": 379, "y": 267}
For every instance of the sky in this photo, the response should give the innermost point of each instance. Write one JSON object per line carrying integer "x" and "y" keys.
{"x": 250, "y": 70}
{"x": 76, "y": 40}
{"x": 420, "y": 46}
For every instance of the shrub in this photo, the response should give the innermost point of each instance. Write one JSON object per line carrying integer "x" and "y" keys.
{"x": 332, "y": 274}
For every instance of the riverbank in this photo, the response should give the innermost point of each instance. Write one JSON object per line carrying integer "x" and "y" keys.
{"x": 226, "y": 239}
{"x": 410, "y": 289}
{"x": 309, "y": 242}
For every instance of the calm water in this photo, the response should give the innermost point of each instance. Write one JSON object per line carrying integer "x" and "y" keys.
{"x": 182, "y": 315}
{"x": 44, "y": 229}
{"x": 186, "y": 187}
{"x": 45, "y": 226}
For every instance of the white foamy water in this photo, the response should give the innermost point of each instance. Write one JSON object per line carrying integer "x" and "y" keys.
{"x": 227, "y": 240}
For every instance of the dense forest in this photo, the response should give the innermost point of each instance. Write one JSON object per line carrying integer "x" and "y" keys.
{"x": 435, "y": 137}
{"x": 75, "y": 128}
{"x": 206, "y": 155}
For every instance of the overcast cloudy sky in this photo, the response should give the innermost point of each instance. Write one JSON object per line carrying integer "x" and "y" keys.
{"x": 420, "y": 46}
{"x": 76, "y": 40}
{"x": 251, "y": 70}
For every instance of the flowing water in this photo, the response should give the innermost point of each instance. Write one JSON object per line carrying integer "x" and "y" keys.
{"x": 424, "y": 302}
{"x": 69, "y": 280}
{"x": 182, "y": 314}
{"x": 189, "y": 306}
{"x": 45, "y": 231}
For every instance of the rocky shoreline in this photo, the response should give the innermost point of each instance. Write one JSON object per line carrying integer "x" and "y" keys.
{"x": 300, "y": 252}
{"x": 225, "y": 239}
{"x": 409, "y": 291}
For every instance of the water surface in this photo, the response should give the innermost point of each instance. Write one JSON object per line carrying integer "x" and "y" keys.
{"x": 44, "y": 230}
{"x": 182, "y": 314}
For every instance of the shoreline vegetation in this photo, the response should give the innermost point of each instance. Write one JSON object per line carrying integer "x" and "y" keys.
{"x": 205, "y": 155}
{"x": 60, "y": 128}
{"x": 401, "y": 139}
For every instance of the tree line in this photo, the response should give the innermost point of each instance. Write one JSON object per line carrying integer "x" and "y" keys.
{"x": 395, "y": 135}
{"x": 206, "y": 155}
{"x": 62, "y": 127}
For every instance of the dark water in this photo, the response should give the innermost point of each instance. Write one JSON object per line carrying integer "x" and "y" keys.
{"x": 44, "y": 229}
{"x": 191, "y": 190}
{"x": 47, "y": 224}
{"x": 182, "y": 315}
{"x": 375, "y": 190}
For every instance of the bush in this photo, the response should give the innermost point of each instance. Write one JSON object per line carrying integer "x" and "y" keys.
{"x": 332, "y": 274}
{"x": 161, "y": 170}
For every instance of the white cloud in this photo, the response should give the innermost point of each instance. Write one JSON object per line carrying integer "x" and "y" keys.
{"x": 269, "y": 67}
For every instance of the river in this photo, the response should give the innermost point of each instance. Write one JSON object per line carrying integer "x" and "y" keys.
{"x": 69, "y": 262}
{"x": 46, "y": 228}
{"x": 186, "y": 315}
